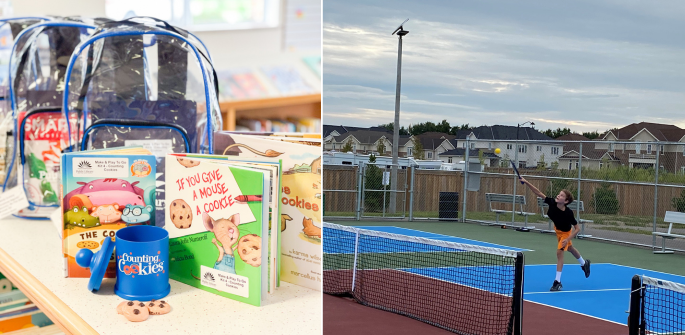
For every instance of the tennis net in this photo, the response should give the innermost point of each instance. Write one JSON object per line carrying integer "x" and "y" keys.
{"x": 463, "y": 288}
{"x": 656, "y": 307}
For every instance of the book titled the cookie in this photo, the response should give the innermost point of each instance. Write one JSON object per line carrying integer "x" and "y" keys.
{"x": 217, "y": 218}
{"x": 102, "y": 192}
{"x": 300, "y": 198}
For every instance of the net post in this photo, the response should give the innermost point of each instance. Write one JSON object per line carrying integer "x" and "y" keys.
{"x": 635, "y": 309}
{"x": 517, "y": 295}
{"x": 354, "y": 265}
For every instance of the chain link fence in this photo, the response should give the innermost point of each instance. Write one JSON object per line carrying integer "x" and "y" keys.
{"x": 622, "y": 188}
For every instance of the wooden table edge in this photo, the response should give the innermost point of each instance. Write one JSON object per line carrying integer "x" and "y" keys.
{"x": 53, "y": 307}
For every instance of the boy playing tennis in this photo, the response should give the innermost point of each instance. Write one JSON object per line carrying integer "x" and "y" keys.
{"x": 565, "y": 225}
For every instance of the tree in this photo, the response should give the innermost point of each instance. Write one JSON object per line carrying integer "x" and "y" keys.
{"x": 591, "y": 135}
{"x": 417, "y": 152}
{"x": 604, "y": 200}
{"x": 347, "y": 147}
{"x": 541, "y": 163}
{"x": 455, "y": 129}
{"x": 557, "y": 133}
{"x": 679, "y": 202}
{"x": 391, "y": 128}
{"x": 380, "y": 148}
{"x": 373, "y": 180}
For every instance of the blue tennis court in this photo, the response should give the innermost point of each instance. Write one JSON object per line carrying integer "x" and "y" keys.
{"x": 604, "y": 295}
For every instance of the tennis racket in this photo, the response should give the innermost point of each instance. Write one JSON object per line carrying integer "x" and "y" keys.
{"x": 516, "y": 170}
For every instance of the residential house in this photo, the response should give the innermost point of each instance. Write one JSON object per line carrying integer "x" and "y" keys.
{"x": 365, "y": 141}
{"x": 592, "y": 157}
{"x": 455, "y": 156}
{"x": 433, "y": 144}
{"x": 532, "y": 149}
{"x": 644, "y": 154}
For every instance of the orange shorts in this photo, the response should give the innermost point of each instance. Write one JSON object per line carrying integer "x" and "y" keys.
{"x": 562, "y": 235}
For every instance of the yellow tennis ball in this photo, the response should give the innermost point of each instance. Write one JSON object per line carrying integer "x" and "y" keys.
{"x": 497, "y": 151}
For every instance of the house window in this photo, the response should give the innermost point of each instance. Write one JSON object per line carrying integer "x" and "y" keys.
{"x": 522, "y": 164}
{"x": 682, "y": 169}
{"x": 473, "y": 145}
{"x": 510, "y": 146}
{"x": 409, "y": 151}
{"x": 637, "y": 148}
{"x": 661, "y": 148}
{"x": 429, "y": 155}
{"x": 576, "y": 165}
{"x": 489, "y": 146}
{"x": 541, "y": 164}
{"x": 354, "y": 147}
{"x": 569, "y": 165}
{"x": 538, "y": 148}
{"x": 555, "y": 150}
{"x": 449, "y": 159}
{"x": 601, "y": 165}
{"x": 523, "y": 148}
{"x": 649, "y": 148}
{"x": 463, "y": 145}
{"x": 611, "y": 147}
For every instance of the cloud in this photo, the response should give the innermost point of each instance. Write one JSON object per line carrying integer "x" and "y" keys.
{"x": 607, "y": 63}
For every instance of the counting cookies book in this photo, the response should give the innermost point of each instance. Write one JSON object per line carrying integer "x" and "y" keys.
{"x": 300, "y": 199}
{"x": 103, "y": 191}
{"x": 217, "y": 216}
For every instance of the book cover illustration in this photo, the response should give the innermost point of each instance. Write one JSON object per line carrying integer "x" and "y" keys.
{"x": 216, "y": 216}
{"x": 300, "y": 201}
{"x": 287, "y": 80}
{"x": 240, "y": 84}
{"x": 103, "y": 193}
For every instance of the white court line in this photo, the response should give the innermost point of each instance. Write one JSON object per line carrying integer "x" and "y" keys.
{"x": 570, "y": 311}
{"x": 434, "y": 234}
{"x": 562, "y": 291}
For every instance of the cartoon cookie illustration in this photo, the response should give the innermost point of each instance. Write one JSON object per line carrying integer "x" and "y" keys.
{"x": 181, "y": 214}
{"x": 87, "y": 244}
{"x": 187, "y": 162}
{"x": 249, "y": 249}
{"x": 134, "y": 311}
{"x": 158, "y": 307}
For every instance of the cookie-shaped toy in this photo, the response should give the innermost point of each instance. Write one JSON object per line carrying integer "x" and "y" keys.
{"x": 158, "y": 307}
{"x": 181, "y": 214}
{"x": 187, "y": 162}
{"x": 134, "y": 311}
{"x": 87, "y": 244}
{"x": 249, "y": 249}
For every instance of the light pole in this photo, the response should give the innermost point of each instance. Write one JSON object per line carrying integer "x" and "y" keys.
{"x": 516, "y": 159}
{"x": 396, "y": 127}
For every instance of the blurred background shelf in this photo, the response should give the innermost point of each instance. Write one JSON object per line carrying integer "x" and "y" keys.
{"x": 300, "y": 106}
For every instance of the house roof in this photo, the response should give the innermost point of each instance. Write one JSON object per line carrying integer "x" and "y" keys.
{"x": 499, "y": 132}
{"x": 662, "y": 132}
{"x": 328, "y": 129}
{"x": 572, "y": 137}
{"x": 432, "y": 140}
{"x": 472, "y": 153}
{"x": 370, "y": 136}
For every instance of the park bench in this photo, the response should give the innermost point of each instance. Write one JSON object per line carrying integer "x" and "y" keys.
{"x": 670, "y": 218}
{"x": 575, "y": 206}
{"x": 518, "y": 201}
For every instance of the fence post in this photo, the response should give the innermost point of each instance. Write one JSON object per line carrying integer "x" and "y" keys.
{"x": 513, "y": 202}
{"x": 411, "y": 195}
{"x": 580, "y": 175}
{"x": 656, "y": 193}
{"x": 362, "y": 182}
{"x": 466, "y": 176}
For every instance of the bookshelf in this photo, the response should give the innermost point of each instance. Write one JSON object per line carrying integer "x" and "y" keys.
{"x": 281, "y": 107}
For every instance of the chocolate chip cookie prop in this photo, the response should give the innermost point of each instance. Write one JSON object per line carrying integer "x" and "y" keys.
{"x": 187, "y": 162}
{"x": 142, "y": 260}
{"x": 158, "y": 307}
{"x": 134, "y": 311}
{"x": 180, "y": 214}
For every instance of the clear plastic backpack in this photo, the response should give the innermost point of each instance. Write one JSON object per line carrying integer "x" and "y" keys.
{"x": 142, "y": 82}
{"x": 38, "y": 67}
{"x": 9, "y": 30}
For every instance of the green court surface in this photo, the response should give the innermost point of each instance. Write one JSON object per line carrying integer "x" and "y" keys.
{"x": 543, "y": 245}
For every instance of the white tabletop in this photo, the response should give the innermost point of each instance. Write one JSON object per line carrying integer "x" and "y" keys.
{"x": 36, "y": 246}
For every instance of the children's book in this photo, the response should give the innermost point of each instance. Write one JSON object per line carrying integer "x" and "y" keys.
{"x": 300, "y": 200}
{"x": 103, "y": 191}
{"x": 217, "y": 216}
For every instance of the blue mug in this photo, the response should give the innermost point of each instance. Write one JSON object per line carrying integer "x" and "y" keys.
{"x": 142, "y": 263}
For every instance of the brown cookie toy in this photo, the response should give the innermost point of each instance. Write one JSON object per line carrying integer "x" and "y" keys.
{"x": 249, "y": 249}
{"x": 134, "y": 311}
{"x": 181, "y": 214}
{"x": 158, "y": 307}
{"x": 87, "y": 244}
{"x": 187, "y": 162}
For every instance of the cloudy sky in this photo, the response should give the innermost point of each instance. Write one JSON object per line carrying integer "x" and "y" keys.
{"x": 586, "y": 65}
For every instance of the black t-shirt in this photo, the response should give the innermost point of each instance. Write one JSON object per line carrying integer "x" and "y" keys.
{"x": 563, "y": 220}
